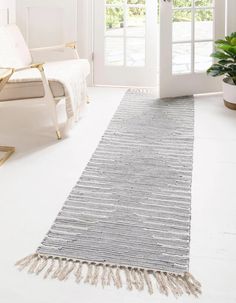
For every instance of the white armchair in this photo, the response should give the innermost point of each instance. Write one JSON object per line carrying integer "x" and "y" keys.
{"x": 51, "y": 81}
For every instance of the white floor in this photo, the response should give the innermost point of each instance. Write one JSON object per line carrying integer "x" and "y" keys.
{"x": 36, "y": 180}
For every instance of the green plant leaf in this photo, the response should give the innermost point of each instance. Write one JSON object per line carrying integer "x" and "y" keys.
{"x": 228, "y": 48}
{"x": 233, "y": 35}
{"x": 216, "y": 70}
{"x": 222, "y": 42}
{"x": 232, "y": 67}
{"x": 226, "y": 62}
{"x": 226, "y": 55}
{"x": 220, "y": 55}
{"x": 233, "y": 41}
{"x": 227, "y": 38}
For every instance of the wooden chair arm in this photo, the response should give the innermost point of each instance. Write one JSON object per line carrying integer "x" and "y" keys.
{"x": 39, "y": 66}
{"x": 72, "y": 45}
{"x": 5, "y": 75}
{"x": 12, "y": 70}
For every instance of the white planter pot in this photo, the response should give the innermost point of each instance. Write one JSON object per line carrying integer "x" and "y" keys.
{"x": 229, "y": 93}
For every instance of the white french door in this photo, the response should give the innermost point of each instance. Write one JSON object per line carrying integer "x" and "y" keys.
{"x": 187, "y": 31}
{"x": 125, "y": 42}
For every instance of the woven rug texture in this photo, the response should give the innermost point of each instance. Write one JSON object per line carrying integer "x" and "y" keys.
{"x": 127, "y": 220}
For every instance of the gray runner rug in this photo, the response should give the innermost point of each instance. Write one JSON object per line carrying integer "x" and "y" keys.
{"x": 127, "y": 220}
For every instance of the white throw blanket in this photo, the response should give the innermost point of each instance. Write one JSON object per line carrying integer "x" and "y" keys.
{"x": 71, "y": 74}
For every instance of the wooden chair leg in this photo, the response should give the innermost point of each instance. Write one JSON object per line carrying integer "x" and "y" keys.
{"x": 7, "y": 152}
{"x": 58, "y": 133}
{"x": 53, "y": 110}
{"x": 50, "y": 101}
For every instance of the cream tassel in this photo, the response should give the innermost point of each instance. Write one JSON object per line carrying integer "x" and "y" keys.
{"x": 23, "y": 263}
{"x": 109, "y": 276}
{"x": 141, "y": 279}
{"x": 193, "y": 280}
{"x": 34, "y": 265}
{"x": 58, "y": 270}
{"x": 95, "y": 275}
{"x": 194, "y": 289}
{"x": 78, "y": 273}
{"x": 163, "y": 276}
{"x": 89, "y": 273}
{"x": 42, "y": 265}
{"x": 148, "y": 282}
{"x": 118, "y": 278}
{"x": 171, "y": 285}
{"x": 104, "y": 275}
{"x": 70, "y": 270}
{"x": 161, "y": 283}
{"x": 176, "y": 284}
{"x": 50, "y": 269}
{"x": 61, "y": 275}
{"x": 112, "y": 277}
{"x": 128, "y": 278}
{"x": 166, "y": 282}
{"x": 135, "y": 280}
{"x": 184, "y": 285}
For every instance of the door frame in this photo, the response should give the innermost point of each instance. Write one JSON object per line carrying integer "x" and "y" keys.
{"x": 230, "y": 16}
{"x": 190, "y": 83}
{"x": 130, "y": 70}
{"x": 86, "y": 35}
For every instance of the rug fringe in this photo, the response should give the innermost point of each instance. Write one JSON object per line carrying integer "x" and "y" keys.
{"x": 106, "y": 274}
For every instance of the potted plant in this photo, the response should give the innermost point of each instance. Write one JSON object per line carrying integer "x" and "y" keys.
{"x": 225, "y": 54}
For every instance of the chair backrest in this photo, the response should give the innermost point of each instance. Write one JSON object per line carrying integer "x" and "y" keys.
{"x": 13, "y": 50}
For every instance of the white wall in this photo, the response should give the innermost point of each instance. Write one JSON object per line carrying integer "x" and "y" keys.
{"x": 46, "y": 23}
{"x": 85, "y": 23}
{"x": 52, "y": 22}
{"x": 231, "y": 16}
{"x": 7, "y": 12}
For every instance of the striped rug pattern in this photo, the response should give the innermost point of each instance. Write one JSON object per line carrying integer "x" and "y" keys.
{"x": 127, "y": 220}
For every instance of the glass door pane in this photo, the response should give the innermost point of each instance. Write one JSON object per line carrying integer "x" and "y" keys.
{"x": 125, "y": 28}
{"x": 192, "y": 35}
{"x": 188, "y": 29}
{"x": 125, "y": 42}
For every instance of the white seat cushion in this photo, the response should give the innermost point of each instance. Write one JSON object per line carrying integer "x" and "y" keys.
{"x": 27, "y": 84}
{"x": 13, "y": 50}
